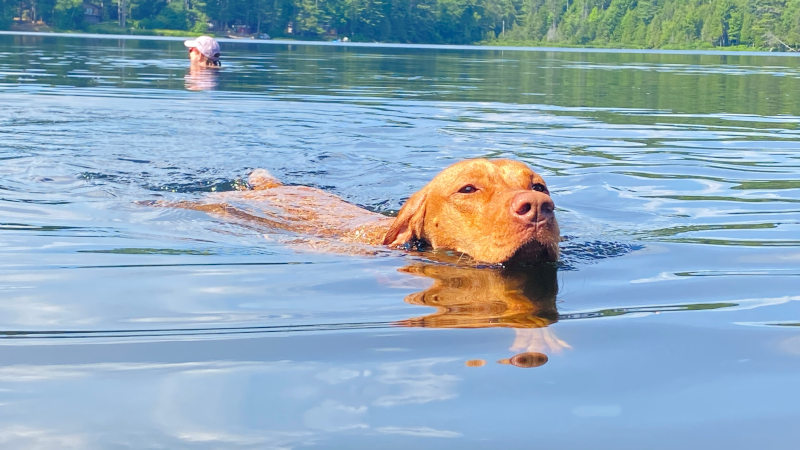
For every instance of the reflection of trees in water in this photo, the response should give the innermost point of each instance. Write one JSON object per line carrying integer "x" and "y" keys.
{"x": 470, "y": 297}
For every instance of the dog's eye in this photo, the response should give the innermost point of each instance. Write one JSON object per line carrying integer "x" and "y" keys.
{"x": 468, "y": 189}
{"x": 539, "y": 187}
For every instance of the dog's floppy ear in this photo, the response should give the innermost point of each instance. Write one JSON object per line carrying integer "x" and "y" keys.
{"x": 408, "y": 224}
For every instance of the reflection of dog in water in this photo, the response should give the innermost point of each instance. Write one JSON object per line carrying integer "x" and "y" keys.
{"x": 468, "y": 297}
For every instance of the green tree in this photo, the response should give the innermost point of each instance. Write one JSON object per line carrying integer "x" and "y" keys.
{"x": 309, "y": 19}
{"x": 637, "y": 23}
{"x": 415, "y": 21}
{"x": 6, "y": 13}
{"x": 790, "y": 23}
{"x": 173, "y": 15}
{"x": 68, "y": 14}
{"x": 367, "y": 19}
{"x": 766, "y": 22}
{"x": 142, "y": 12}
{"x": 736, "y": 25}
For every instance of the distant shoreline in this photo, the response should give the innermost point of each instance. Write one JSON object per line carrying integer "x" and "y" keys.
{"x": 493, "y": 46}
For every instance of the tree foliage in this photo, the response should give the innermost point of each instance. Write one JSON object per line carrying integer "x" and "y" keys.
{"x": 622, "y": 23}
{"x": 768, "y": 24}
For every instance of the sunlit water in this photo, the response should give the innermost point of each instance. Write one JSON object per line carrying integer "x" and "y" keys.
{"x": 671, "y": 321}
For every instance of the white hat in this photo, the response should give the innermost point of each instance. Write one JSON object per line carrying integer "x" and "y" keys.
{"x": 206, "y": 45}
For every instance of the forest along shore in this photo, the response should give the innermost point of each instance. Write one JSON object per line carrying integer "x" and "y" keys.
{"x": 772, "y": 25}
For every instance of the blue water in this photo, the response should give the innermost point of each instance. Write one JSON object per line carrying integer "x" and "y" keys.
{"x": 671, "y": 321}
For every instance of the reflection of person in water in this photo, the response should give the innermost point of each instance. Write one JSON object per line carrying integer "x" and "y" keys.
{"x": 468, "y": 297}
{"x": 204, "y": 54}
{"x": 200, "y": 79}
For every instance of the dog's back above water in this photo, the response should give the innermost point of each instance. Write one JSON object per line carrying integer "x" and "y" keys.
{"x": 495, "y": 211}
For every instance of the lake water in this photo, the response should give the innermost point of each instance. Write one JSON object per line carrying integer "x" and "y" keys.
{"x": 671, "y": 321}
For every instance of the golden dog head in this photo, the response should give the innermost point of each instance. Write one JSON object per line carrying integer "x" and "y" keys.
{"x": 494, "y": 211}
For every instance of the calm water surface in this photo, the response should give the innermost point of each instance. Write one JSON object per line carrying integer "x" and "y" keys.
{"x": 672, "y": 321}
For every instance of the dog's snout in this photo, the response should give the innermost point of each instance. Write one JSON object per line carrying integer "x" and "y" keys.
{"x": 532, "y": 206}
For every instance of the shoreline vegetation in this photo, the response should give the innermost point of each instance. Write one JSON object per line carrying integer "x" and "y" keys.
{"x": 729, "y": 25}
